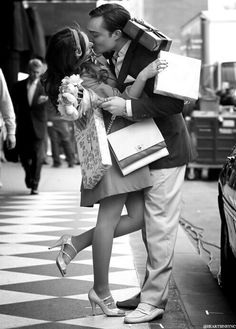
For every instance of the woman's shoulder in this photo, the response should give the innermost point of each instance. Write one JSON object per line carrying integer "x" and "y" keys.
{"x": 89, "y": 81}
{"x": 102, "y": 89}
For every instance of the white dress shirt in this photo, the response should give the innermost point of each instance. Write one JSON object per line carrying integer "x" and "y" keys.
{"x": 31, "y": 87}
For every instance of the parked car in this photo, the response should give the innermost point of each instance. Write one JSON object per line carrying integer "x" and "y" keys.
{"x": 227, "y": 209}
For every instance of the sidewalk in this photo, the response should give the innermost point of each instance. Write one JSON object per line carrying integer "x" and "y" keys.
{"x": 32, "y": 293}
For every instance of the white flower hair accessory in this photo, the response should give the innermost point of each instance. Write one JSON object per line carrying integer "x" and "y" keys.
{"x": 70, "y": 96}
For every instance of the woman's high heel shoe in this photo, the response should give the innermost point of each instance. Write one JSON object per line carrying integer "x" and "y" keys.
{"x": 60, "y": 262}
{"x": 105, "y": 304}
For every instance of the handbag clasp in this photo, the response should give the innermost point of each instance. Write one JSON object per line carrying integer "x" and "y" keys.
{"x": 139, "y": 147}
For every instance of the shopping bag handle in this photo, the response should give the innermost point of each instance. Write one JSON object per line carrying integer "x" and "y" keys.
{"x": 148, "y": 26}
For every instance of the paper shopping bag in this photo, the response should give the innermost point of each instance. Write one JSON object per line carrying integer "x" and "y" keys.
{"x": 180, "y": 79}
{"x": 93, "y": 150}
{"x": 137, "y": 145}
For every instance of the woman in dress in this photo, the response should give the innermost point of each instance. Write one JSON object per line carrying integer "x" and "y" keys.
{"x": 69, "y": 52}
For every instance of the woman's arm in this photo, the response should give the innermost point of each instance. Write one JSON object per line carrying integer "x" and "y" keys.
{"x": 148, "y": 72}
{"x": 105, "y": 90}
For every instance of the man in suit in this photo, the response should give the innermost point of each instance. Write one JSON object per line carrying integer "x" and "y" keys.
{"x": 163, "y": 199}
{"x": 31, "y": 118}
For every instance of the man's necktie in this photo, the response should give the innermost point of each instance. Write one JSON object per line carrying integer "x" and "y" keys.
{"x": 115, "y": 61}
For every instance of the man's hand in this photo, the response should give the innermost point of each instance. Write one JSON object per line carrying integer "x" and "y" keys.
{"x": 115, "y": 105}
{"x": 11, "y": 141}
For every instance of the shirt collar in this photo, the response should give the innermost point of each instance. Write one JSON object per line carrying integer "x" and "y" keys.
{"x": 122, "y": 52}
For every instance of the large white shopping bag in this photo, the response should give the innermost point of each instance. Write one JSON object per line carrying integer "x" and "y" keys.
{"x": 181, "y": 78}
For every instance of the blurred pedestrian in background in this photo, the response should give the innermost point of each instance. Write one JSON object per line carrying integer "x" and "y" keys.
{"x": 7, "y": 119}
{"x": 228, "y": 97}
{"x": 60, "y": 138}
{"x": 73, "y": 143}
{"x": 29, "y": 101}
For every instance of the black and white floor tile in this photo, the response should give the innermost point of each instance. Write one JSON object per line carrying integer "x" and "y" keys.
{"x": 32, "y": 292}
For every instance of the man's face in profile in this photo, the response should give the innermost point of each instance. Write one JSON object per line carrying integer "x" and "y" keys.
{"x": 104, "y": 40}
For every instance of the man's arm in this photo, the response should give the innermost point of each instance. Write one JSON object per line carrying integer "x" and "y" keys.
{"x": 7, "y": 110}
{"x": 143, "y": 108}
{"x": 156, "y": 106}
{"x": 150, "y": 105}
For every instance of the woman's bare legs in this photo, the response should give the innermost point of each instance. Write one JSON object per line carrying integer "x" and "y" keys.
{"x": 129, "y": 223}
{"x": 107, "y": 222}
{"x": 108, "y": 217}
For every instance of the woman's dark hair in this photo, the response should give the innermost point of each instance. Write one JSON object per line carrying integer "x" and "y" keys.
{"x": 115, "y": 16}
{"x": 61, "y": 60}
{"x": 66, "y": 55}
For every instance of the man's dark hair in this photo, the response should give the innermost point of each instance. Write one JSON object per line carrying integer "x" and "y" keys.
{"x": 115, "y": 16}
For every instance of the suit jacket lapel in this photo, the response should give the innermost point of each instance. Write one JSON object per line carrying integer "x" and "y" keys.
{"x": 108, "y": 57}
{"x": 25, "y": 88}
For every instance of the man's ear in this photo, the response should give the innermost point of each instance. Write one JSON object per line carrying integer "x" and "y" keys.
{"x": 117, "y": 34}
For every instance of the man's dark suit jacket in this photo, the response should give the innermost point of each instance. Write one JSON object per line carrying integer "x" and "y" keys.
{"x": 166, "y": 111}
{"x": 31, "y": 120}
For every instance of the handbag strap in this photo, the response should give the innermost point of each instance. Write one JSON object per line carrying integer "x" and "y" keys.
{"x": 110, "y": 124}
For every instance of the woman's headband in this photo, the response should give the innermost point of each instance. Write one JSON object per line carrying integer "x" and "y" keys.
{"x": 77, "y": 42}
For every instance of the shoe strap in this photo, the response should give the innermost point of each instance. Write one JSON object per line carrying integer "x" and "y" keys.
{"x": 69, "y": 243}
{"x": 106, "y": 298}
{"x": 106, "y": 301}
{"x": 65, "y": 253}
{"x": 110, "y": 303}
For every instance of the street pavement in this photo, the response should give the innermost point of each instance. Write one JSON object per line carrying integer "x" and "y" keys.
{"x": 32, "y": 292}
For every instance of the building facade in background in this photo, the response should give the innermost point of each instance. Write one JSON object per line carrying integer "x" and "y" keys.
{"x": 168, "y": 16}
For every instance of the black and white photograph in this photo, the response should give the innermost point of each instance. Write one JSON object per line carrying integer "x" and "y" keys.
{"x": 117, "y": 164}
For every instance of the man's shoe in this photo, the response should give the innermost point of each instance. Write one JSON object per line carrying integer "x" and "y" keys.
{"x": 34, "y": 192}
{"x": 144, "y": 313}
{"x": 130, "y": 304}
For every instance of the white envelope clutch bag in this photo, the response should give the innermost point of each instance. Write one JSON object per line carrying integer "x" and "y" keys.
{"x": 137, "y": 145}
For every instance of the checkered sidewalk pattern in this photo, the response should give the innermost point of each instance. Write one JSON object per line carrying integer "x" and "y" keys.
{"x": 32, "y": 292}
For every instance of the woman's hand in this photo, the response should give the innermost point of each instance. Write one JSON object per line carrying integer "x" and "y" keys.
{"x": 153, "y": 69}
